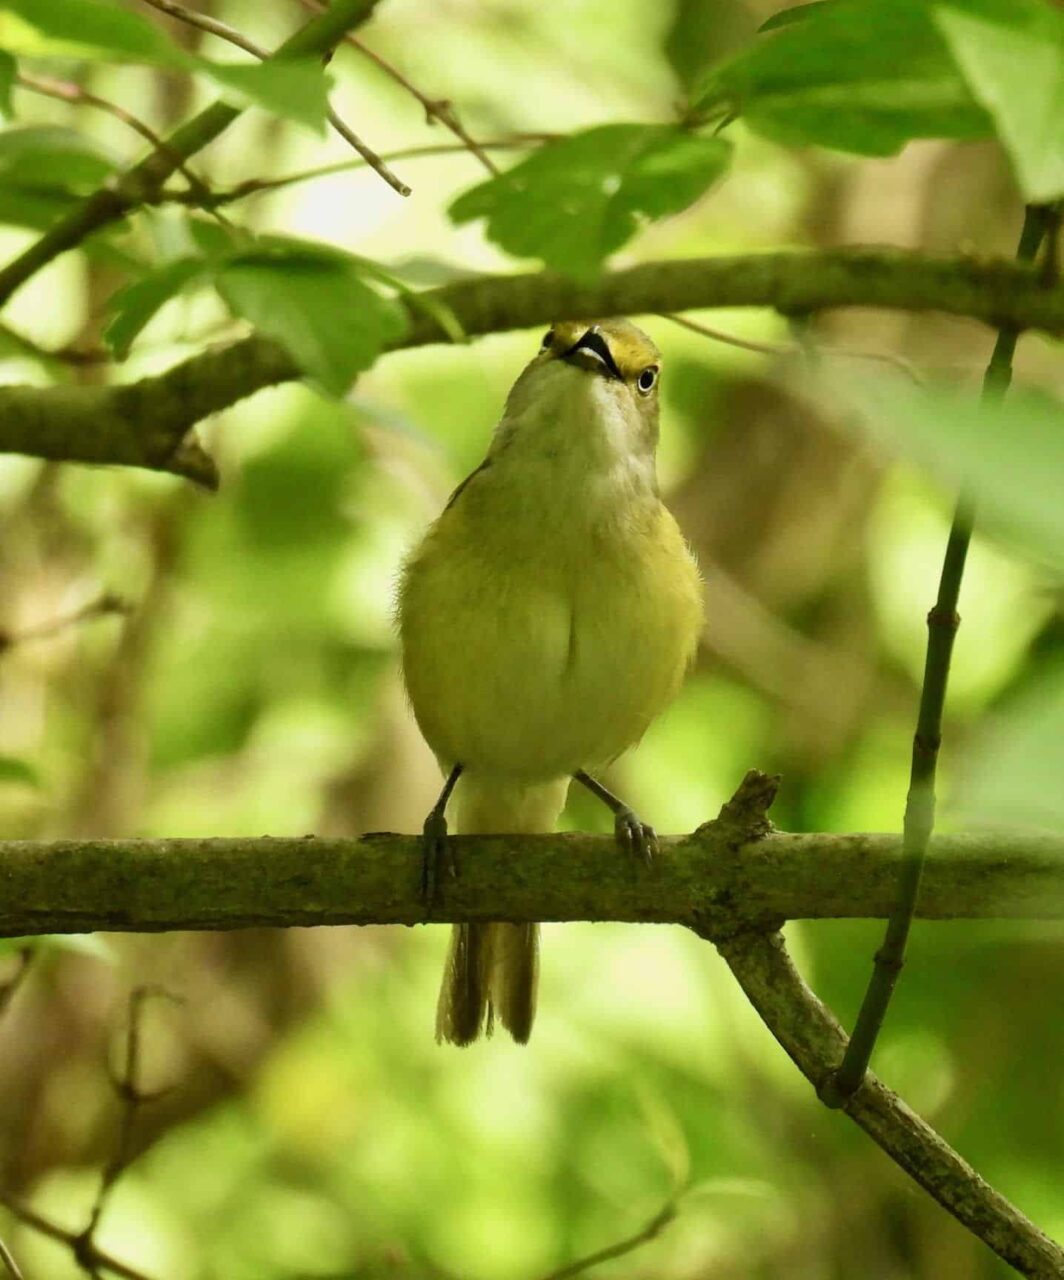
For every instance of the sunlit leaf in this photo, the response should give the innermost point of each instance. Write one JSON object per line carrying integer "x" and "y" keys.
{"x": 1011, "y": 53}
{"x": 316, "y": 303}
{"x": 1013, "y": 777}
{"x": 81, "y": 28}
{"x": 575, "y": 201}
{"x": 865, "y": 76}
{"x": 1008, "y": 454}
{"x": 134, "y": 305}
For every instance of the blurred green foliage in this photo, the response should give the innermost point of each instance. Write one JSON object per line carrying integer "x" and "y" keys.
{"x": 314, "y": 1128}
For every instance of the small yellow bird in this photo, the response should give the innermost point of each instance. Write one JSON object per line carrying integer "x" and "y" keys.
{"x": 546, "y": 618}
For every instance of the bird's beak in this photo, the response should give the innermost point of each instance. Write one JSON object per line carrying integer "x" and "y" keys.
{"x": 592, "y": 352}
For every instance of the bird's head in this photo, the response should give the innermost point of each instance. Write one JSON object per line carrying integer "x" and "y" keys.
{"x": 596, "y": 382}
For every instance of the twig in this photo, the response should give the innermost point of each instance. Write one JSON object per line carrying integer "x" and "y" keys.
{"x": 230, "y": 34}
{"x": 106, "y": 604}
{"x": 102, "y": 1260}
{"x": 435, "y": 108}
{"x": 257, "y": 186}
{"x": 942, "y": 623}
{"x": 140, "y": 184}
{"x": 812, "y": 1037}
{"x": 77, "y": 356}
{"x": 9, "y": 1262}
{"x": 132, "y": 1098}
{"x": 653, "y": 1228}
{"x": 65, "y": 91}
{"x": 791, "y": 348}
{"x": 10, "y": 987}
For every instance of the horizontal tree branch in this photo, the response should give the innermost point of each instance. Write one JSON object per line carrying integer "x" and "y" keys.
{"x": 145, "y": 423}
{"x": 706, "y": 880}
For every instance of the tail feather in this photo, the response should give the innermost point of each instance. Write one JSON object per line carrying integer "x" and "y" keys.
{"x": 492, "y": 969}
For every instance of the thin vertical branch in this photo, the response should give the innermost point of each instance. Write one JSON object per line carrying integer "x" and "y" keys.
{"x": 942, "y": 623}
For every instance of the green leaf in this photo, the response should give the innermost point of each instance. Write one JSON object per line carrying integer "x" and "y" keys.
{"x": 865, "y": 76}
{"x": 135, "y": 304}
{"x": 51, "y": 156}
{"x": 15, "y": 770}
{"x": 1008, "y": 454}
{"x": 297, "y": 89}
{"x": 294, "y": 88}
{"x": 704, "y": 31}
{"x": 575, "y": 201}
{"x": 315, "y": 302}
{"x": 1014, "y": 769}
{"x": 1011, "y": 54}
{"x": 82, "y": 28}
{"x": 8, "y": 71}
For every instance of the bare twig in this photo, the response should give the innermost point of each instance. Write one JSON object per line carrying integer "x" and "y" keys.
{"x": 104, "y": 605}
{"x": 791, "y": 348}
{"x": 258, "y": 186}
{"x": 131, "y": 1097}
{"x": 653, "y": 1228}
{"x": 9, "y": 988}
{"x": 72, "y": 355}
{"x": 230, "y": 34}
{"x": 65, "y": 91}
{"x": 812, "y": 1037}
{"x": 9, "y": 1262}
{"x": 101, "y": 1260}
{"x": 435, "y": 108}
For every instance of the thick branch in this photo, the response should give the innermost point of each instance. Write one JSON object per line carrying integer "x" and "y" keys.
{"x": 144, "y": 424}
{"x": 706, "y": 880}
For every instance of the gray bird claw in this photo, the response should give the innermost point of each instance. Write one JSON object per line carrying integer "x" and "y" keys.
{"x": 437, "y": 857}
{"x": 634, "y": 836}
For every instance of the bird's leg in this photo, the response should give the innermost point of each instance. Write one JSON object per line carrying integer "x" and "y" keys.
{"x": 633, "y": 835}
{"x": 435, "y": 853}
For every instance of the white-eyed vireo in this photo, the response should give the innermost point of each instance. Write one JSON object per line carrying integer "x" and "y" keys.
{"x": 547, "y": 616}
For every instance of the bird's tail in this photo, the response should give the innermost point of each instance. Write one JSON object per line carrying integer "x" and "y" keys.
{"x": 492, "y": 968}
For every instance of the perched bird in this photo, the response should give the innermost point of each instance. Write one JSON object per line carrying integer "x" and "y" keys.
{"x": 546, "y": 618}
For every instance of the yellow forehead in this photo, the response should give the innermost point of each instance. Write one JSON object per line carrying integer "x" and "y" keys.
{"x": 630, "y": 347}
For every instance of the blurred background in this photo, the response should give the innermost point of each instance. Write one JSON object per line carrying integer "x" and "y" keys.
{"x": 310, "y": 1126}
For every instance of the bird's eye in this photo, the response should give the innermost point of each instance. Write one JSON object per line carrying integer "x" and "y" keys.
{"x": 645, "y": 381}
{"x": 548, "y": 340}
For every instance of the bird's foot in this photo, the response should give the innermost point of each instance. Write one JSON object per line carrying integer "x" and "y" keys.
{"x": 634, "y": 836}
{"x": 437, "y": 857}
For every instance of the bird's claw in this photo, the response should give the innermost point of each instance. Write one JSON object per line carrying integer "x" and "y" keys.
{"x": 634, "y": 836}
{"x": 437, "y": 856}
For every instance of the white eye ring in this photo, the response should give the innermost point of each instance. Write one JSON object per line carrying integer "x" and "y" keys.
{"x": 646, "y": 380}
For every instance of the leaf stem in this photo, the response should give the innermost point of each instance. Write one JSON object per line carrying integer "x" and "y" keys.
{"x": 942, "y": 623}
